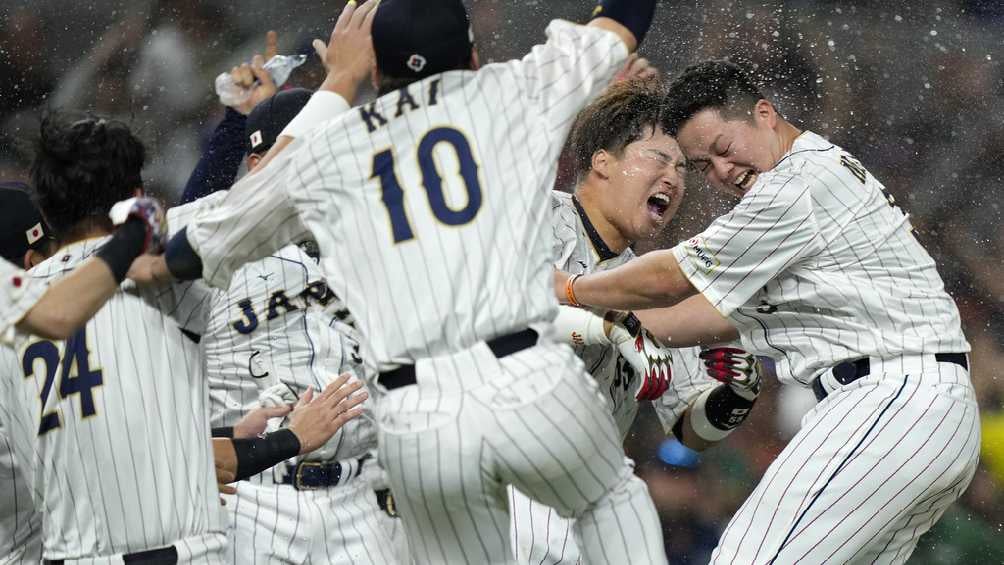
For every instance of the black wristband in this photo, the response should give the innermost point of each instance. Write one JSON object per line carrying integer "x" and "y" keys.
{"x": 227, "y": 431}
{"x": 125, "y": 245}
{"x": 258, "y": 454}
{"x": 183, "y": 262}
{"x": 725, "y": 409}
{"x": 636, "y": 15}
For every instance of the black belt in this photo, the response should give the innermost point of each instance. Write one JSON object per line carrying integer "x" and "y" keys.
{"x": 162, "y": 556}
{"x": 849, "y": 371}
{"x": 313, "y": 475}
{"x": 500, "y": 346}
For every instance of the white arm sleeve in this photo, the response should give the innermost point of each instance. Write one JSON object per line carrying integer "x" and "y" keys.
{"x": 570, "y": 69}
{"x": 18, "y": 294}
{"x": 768, "y": 231}
{"x": 255, "y": 219}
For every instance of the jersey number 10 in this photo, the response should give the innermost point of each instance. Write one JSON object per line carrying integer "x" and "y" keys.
{"x": 393, "y": 195}
{"x": 75, "y": 375}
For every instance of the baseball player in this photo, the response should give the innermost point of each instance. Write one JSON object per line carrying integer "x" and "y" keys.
{"x": 630, "y": 185}
{"x": 111, "y": 425}
{"x": 816, "y": 266}
{"x": 268, "y": 339}
{"x": 430, "y": 207}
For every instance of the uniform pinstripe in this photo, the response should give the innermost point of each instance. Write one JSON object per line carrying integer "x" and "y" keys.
{"x": 459, "y": 255}
{"x": 117, "y": 453}
{"x": 269, "y": 327}
{"x": 541, "y": 535}
{"x": 20, "y": 525}
{"x": 17, "y": 295}
{"x": 815, "y": 266}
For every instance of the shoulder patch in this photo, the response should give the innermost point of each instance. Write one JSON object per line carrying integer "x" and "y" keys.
{"x": 706, "y": 260}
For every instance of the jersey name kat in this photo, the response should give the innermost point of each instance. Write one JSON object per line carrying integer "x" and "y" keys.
{"x": 277, "y": 303}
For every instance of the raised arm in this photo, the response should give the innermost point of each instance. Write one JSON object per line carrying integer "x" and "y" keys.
{"x": 629, "y": 19}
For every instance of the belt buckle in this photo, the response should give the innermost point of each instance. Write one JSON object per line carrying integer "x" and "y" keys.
{"x": 298, "y": 477}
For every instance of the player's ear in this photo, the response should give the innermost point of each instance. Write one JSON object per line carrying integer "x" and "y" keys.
{"x": 138, "y": 192}
{"x": 475, "y": 59}
{"x": 32, "y": 258}
{"x": 764, "y": 112}
{"x": 601, "y": 163}
{"x": 253, "y": 160}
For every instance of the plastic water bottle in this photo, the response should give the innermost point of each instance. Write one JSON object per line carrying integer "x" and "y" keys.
{"x": 278, "y": 67}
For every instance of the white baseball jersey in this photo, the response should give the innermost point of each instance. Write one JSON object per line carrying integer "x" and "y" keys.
{"x": 431, "y": 209}
{"x": 578, "y": 248}
{"x": 20, "y": 523}
{"x": 18, "y": 294}
{"x": 817, "y": 265}
{"x": 112, "y": 426}
{"x": 272, "y": 325}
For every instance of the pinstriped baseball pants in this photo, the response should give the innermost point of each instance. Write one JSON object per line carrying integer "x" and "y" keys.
{"x": 475, "y": 424}
{"x": 874, "y": 466}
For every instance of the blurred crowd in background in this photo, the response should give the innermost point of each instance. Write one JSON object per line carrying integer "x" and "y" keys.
{"x": 915, "y": 90}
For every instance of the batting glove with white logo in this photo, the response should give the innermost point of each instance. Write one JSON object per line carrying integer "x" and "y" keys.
{"x": 644, "y": 353}
{"x": 150, "y": 212}
{"x": 735, "y": 367}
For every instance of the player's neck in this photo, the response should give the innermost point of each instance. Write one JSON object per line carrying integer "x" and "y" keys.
{"x": 87, "y": 229}
{"x": 786, "y": 136}
{"x": 587, "y": 196}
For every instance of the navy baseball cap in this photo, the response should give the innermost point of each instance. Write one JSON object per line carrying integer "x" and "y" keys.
{"x": 21, "y": 224}
{"x": 419, "y": 38}
{"x": 270, "y": 117}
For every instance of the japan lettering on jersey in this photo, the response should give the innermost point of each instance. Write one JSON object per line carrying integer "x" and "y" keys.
{"x": 18, "y": 294}
{"x": 817, "y": 264}
{"x": 111, "y": 426}
{"x": 396, "y": 193}
{"x": 272, "y": 325}
{"x": 578, "y": 248}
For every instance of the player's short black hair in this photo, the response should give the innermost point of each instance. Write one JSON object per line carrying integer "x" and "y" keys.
{"x": 623, "y": 114}
{"x": 720, "y": 85}
{"x": 82, "y": 166}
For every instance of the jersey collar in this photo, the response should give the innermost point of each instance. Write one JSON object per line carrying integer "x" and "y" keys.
{"x": 599, "y": 245}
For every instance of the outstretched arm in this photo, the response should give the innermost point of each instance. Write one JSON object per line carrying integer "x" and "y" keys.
{"x": 691, "y": 322}
{"x": 653, "y": 280}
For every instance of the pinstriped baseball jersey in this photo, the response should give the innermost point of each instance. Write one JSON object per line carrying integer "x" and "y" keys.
{"x": 578, "y": 248}
{"x": 816, "y": 265}
{"x": 112, "y": 425}
{"x": 397, "y": 192}
{"x": 18, "y": 294}
{"x": 270, "y": 326}
{"x": 19, "y": 522}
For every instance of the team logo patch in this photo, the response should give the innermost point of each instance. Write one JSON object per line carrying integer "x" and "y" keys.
{"x": 34, "y": 233}
{"x": 416, "y": 63}
{"x": 706, "y": 260}
{"x": 256, "y": 139}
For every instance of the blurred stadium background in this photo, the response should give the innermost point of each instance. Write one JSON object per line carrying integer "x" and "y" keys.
{"x": 914, "y": 89}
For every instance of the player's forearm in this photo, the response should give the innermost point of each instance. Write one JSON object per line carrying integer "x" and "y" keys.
{"x": 653, "y": 280}
{"x": 71, "y": 301}
{"x": 691, "y": 322}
